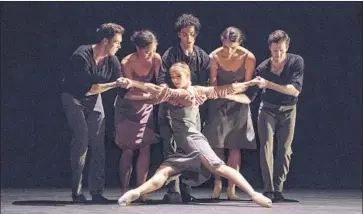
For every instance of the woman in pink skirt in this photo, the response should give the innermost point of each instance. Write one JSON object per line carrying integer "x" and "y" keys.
{"x": 134, "y": 122}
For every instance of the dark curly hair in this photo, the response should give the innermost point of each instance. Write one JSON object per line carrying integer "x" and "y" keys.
{"x": 187, "y": 20}
{"x": 108, "y": 30}
{"x": 233, "y": 34}
{"x": 278, "y": 36}
{"x": 143, "y": 38}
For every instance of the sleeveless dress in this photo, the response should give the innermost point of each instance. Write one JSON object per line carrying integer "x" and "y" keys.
{"x": 190, "y": 143}
{"x": 134, "y": 122}
{"x": 230, "y": 124}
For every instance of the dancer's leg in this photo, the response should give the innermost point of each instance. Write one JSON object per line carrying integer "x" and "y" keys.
{"x": 154, "y": 183}
{"x": 142, "y": 167}
{"x": 125, "y": 170}
{"x": 234, "y": 161}
{"x": 235, "y": 177}
{"x": 217, "y": 188}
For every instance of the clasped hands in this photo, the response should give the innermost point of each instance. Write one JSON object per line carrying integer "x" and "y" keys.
{"x": 150, "y": 88}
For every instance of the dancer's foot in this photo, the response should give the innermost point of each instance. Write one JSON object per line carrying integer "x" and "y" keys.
{"x": 79, "y": 199}
{"x": 217, "y": 191}
{"x": 269, "y": 195}
{"x": 99, "y": 199}
{"x": 142, "y": 199}
{"x": 261, "y": 200}
{"x": 128, "y": 197}
{"x": 231, "y": 195}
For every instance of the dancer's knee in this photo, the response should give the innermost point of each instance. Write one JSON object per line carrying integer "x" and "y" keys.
{"x": 161, "y": 176}
{"x": 218, "y": 170}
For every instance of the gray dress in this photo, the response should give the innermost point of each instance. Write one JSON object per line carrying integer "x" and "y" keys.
{"x": 190, "y": 144}
{"x": 230, "y": 125}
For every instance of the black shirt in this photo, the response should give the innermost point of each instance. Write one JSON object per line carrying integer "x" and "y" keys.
{"x": 83, "y": 71}
{"x": 292, "y": 73}
{"x": 199, "y": 64}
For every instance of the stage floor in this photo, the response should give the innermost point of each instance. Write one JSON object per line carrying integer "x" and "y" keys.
{"x": 56, "y": 201}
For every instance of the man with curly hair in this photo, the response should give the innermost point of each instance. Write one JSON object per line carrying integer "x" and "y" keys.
{"x": 187, "y": 27}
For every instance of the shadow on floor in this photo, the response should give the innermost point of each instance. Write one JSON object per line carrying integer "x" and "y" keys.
{"x": 148, "y": 202}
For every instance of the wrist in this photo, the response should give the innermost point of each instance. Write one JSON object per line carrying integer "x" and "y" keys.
{"x": 131, "y": 83}
{"x": 268, "y": 84}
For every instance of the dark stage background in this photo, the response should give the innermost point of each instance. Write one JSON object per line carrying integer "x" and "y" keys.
{"x": 37, "y": 39}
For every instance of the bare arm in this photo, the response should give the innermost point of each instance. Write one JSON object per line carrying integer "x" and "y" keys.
{"x": 240, "y": 98}
{"x": 160, "y": 94}
{"x": 250, "y": 66}
{"x": 284, "y": 89}
{"x": 214, "y": 92}
{"x": 213, "y": 70}
{"x": 295, "y": 85}
{"x": 138, "y": 97}
{"x": 100, "y": 88}
{"x": 288, "y": 89}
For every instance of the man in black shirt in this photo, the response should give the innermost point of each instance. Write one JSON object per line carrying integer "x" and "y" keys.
{"x": 91, "y": 68}
{"x": 187, "y": 27}
{"x": 281, "y": 78}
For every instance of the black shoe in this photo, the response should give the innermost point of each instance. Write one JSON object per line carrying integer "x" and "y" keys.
{"x": 269, "y": 195}
{"x": 173, "y": 198}
{"x": 278, "y": 196}
{"x": 185, "y": 191}
{"x": 79, "y": 199}
{"x": 99, "y": 199}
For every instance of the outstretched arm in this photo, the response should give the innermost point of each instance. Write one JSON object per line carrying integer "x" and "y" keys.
{"x": 158, "y": 93}
{"x": 214, "y": 92}
{"x": 240, "y": 98}
{"x": 100, "y": 88}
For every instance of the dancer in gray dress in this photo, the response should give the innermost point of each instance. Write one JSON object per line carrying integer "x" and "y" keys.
{"x": 197, "y": 151}
{"x": 230, "y": 125}
{"x": 135, "y": 128}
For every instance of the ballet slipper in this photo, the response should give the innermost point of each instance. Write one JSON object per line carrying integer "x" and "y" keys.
{"x": 142, "y": 199}
{"x": 261, "y": 200}
{"x": 128, "y": 197}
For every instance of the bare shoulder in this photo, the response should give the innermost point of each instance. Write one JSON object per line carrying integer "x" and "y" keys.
{"x": 245, "y": 53}
{"x": 157, "y": 58}
{"x": 214, "y": 55}
{"x": 250, "y": 56}
{"x": 128, "y": 59}
{"x": 216, "y": 52}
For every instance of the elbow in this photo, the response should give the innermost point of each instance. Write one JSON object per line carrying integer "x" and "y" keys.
{"x": 248, "y": 100}
{"x": 94, "y": 90}
{"x": 296, "y": 93}
{"x": 293, "y": 90}
{"x": 90, "y": 93}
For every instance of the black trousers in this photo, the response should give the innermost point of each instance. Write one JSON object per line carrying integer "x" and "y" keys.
{"x": 86, "y": 120}
{"x": 280, "y": 121}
